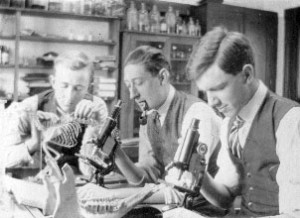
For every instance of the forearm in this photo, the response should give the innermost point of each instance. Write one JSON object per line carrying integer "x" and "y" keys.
{"x": 133, "y": 174}
{"x": 216, "y": 193}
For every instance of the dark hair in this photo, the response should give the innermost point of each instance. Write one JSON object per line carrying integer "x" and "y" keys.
{"x": 152, "y": 58}
{"x": 229, "y": 50}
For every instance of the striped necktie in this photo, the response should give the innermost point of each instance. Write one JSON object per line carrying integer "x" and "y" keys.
{"x": 155, "y": 135}
{"x": 234, "y": 141}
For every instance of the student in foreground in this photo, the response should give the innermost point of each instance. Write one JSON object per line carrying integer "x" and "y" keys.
{"x": 260, "y": 135}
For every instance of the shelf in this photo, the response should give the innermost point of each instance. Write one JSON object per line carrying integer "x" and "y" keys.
{"x": 65, "y": 40}
{"x": 8, "y": 37}
{"x": 25, "y": 67}
{"x": 56, "y": 14}
{"x": 161, "y": 34}
{"x": 6, "y": 66}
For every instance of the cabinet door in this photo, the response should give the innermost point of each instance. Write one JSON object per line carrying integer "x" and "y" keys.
{"x": 131, "y": 112}
{"x": 180, "y": 51}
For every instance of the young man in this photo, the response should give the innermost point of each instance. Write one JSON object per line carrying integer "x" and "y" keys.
{"x": 260, "y": 153}
{"x": 68, "y": 98}
{"x": 146, "y": 74}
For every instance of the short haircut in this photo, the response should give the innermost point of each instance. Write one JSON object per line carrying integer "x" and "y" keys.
{"x": 152, "y": 58}
{"x": 229, "y": 50}
{"x": 74, "y": 60}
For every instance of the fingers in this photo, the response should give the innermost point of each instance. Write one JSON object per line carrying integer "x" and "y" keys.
{"x": 84, "y": 109}
{"x": 47, "y": 116}
{"x": 47, "y": 119}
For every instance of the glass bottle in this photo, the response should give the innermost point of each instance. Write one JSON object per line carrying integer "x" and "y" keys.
{"x": 171, "y": 20}
{"x": 198, "y": 28}
{"x": 191, "y": 27}
{"x": 5, "y": 55}
{"x": 154, "y": 19}
{"x": 184, "y": 28}
{"x": 88, "y": 7}
{"x": 163, "y": 25}
{"x": 178, "y": 25}
{"x": 132, "y": 17}
{"x": 143, "y": 18}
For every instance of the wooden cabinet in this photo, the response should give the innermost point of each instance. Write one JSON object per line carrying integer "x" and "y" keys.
{"x": 259, "y": 26}
{"x": 36, "y": 32}
{"x": 177, "y": 49}
{"x": 292, "y": 54}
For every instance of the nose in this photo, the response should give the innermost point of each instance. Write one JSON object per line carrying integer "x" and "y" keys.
{"x": 213, "y": 101}
{"x": 133, "y": 92}
{"x": 69, "y": 93}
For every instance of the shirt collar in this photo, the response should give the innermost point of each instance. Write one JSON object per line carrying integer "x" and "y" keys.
{"x": 249, "y": 111}
{"x": 163, "y": 109}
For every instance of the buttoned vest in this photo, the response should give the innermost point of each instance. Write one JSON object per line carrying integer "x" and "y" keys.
{"x": 171, "y": 129}
{"x": 260, "y": 192}
{"x": 46, "y": 103}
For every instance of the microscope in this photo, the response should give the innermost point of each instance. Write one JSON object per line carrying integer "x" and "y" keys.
{"x": 182, "y": 161}
{"x": 102, "y": 158}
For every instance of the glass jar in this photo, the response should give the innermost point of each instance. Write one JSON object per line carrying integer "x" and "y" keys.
{"x": 154, "y": 20}
{"x": 88, "y": 7}
{"x": 184, "y": 28}
{"x": 143, "y": 18}
{"x": 178, "y": 25}
{"x": 118, "y": 8}
{"x": 170, "y": 20}
{"x": 99, "y": 7}
{"x": 132, "y": 17}
{"x": 198, "y": 28}
{"x": 163, "y": 25}
{"x": 4, "y": 55}
{"x": 191, "y": 27}
{"x": 55, "y": 5}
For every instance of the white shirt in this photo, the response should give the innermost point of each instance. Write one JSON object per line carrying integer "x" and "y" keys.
{"x": 208, "y": 129}
{"x": 287, "y": 149}
{"x": 209, "y": 121}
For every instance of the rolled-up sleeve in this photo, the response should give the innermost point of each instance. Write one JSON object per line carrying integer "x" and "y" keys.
{"x": 15, "y": 127}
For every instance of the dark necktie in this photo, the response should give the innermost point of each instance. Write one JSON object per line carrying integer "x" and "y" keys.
{"x": 234, "y": 141}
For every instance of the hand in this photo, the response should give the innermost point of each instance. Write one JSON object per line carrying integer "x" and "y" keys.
{"x": 46, "y": 119}
{"x": 184, "y": 179}
{"x": 34, "y": 141}
{"x": 85, "y": 109}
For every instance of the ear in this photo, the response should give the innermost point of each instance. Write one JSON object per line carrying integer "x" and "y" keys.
{"x": 52, "y": 80}
{"x": 164, "y": 76}
{"x": 248, "y": 73}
